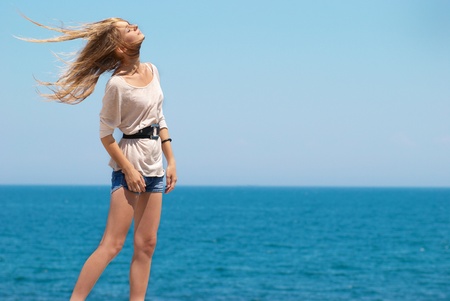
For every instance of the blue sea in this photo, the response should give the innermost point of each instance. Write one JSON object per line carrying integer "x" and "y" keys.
{"x": 236, "y": 243}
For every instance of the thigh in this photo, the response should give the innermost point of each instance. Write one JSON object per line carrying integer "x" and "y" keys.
{"x": 147, "y": 214}
{"x": 120, "y": 215}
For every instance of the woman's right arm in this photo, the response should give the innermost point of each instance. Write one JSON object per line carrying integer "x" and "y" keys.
{"x": 134, "y": 179}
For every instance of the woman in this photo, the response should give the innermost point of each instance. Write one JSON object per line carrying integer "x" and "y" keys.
{"x": 132, "y": 103}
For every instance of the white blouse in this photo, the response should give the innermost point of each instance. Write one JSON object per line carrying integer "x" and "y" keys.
{"x": 130, "y": 109}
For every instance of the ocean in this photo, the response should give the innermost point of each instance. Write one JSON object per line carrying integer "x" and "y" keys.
{"x": 236, "y": 243}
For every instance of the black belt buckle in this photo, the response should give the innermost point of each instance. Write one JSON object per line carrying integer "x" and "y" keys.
{"x": 154, "y": 134}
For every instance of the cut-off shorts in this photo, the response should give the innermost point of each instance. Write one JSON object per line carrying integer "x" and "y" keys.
{"x": 152, "y": 184}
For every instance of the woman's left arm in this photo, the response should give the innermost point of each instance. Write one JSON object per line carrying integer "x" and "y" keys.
{"x": 171, "y": 170}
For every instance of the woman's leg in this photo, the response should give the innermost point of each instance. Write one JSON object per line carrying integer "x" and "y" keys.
{"x": 119, "y": 221}
{"x": 147, "y": 215}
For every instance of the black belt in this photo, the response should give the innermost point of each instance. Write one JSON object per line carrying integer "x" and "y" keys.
{"x": 150, "y": 132}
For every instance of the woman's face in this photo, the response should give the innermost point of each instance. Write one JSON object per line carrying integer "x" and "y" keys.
{"x": 130, "y": 33}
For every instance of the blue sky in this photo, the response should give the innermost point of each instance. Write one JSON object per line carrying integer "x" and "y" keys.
{"x": 307, "y": 93}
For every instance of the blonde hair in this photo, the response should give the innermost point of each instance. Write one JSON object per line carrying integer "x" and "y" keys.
{"x": 99, "y": 55}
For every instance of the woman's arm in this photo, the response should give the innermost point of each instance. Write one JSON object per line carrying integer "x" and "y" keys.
{"x": 134, "y": 179}
{"x": 171, "y": 170}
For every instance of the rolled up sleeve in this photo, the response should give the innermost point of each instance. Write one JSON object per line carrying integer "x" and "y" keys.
{"x": 110, "y": 114}
{"x": 162, "y": 120}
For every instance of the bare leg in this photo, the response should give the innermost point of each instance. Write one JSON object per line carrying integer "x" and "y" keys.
{"x": 119, "y": 221}
{"x": 146, "y": 222}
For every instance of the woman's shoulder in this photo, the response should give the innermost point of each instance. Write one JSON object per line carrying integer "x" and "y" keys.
{"x": 115, "y": 80}
{"x": 153, "y": 68}
{"x": 114, "y": 83}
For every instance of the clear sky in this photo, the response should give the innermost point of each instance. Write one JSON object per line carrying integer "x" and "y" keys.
{"x": 304, "y": 93}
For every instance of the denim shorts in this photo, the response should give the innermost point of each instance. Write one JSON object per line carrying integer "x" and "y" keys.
{"x": 152, "y": 184}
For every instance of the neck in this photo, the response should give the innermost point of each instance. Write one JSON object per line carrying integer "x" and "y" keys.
{"x": 130, "y": 66}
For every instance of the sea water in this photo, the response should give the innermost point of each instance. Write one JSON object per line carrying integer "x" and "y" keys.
{"x": 236, "y": 243}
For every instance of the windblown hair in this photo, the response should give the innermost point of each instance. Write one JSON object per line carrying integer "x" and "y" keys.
{"x": 99, "y": 55}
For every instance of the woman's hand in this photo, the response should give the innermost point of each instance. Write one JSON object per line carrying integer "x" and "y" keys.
{"x": 171, "y": 177}
{"x": 135, "y": 181}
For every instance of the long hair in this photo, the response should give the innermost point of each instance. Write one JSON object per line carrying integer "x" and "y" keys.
{"x": 99, "y": 55}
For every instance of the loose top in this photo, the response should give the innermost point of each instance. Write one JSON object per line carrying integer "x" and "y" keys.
{"x": 130, "y": 109}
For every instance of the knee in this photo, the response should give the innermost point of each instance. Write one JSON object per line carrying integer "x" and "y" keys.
{"x": 112, "y": 248}
{"x": 145, "y": 245}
